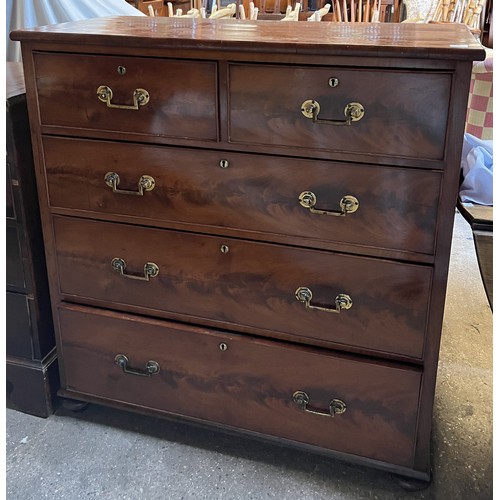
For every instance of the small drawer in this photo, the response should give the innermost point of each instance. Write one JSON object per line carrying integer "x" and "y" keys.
{"x": 373, "y": 304}
{"x": 243, "y": 383}
{"x": 395, "y": 113}
{"x": 315, "y": 200}
{"x": 180, "y": 98}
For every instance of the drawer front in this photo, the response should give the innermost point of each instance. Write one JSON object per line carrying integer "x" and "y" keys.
{"x": 255, "y": 192}
{"x": 237, "y": 283}
{"x": 405, "y": 113}
{"x": 182, "y": 95}
{"x": 249, "y": 385}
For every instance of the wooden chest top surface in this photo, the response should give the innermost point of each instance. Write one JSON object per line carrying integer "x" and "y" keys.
{"x": 452, "y": 41}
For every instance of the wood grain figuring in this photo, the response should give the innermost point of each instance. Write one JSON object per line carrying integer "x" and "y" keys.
{"x": 256, "y": 192}
{"x": 183, "y": 96}
{"x": 450, "y": 41}
{"x": 249, "y": 386}
{"x": 253, "y": 284}
{"x": 265, "y": 108}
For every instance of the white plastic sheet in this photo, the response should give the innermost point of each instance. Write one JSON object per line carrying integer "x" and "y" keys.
{"x": 31, "y": 13}
{"x": 477, "y": 167}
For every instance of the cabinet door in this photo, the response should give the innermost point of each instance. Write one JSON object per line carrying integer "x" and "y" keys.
{"x": 18, "y": 326}
{"x": 15, "y": 277}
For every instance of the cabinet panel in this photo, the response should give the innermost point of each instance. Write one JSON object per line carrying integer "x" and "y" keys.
{"x": 31, "y": 365}
{"x": 243, "y": 283}
{"x": 18, "y": 328}
{"x": 250, "y": 384}
{"x": 14, "y": 262}
{"x": 9, "y": 198}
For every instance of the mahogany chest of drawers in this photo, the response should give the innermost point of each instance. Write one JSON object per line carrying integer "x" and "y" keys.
{"x": 248, "y": 223}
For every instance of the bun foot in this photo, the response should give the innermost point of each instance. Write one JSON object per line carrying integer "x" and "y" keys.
{"x": 411, "y": 483}
{"x": 74, "y": 405}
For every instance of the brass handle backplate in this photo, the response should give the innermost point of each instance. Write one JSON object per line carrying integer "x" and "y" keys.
{"x": 151, "y": 368}
{"x": 353, "y": 112}
{"x": 342, "y": 301}
{"x": 150, "y": 270}
{"x": 140, "y": 96}
{"x": 146, "y": 183}
{"x": 348, "y": 204}
{"x": 336, "y": 406}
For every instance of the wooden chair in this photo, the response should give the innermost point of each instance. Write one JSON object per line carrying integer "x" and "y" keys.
{"x": 468, "y": 12}
{"x": 341, "y": 10}
{"x": 356, "y": 11}
{"x": 157, "y": 7}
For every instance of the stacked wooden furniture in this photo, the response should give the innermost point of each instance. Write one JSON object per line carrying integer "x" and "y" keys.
{"x": 250, "y": 226}
{"x": 31, "y": 370}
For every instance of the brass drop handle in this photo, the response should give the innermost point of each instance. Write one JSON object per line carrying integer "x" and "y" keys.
{"x": 348, "y": 204}
{"x": 353, "y": 112}
{"x": 146, "y": 183}
{"x": 342, "y": 301}
{"x": 336, "y": 406}
{"x": 150, "y": 270}
{"x": 152, "y": 367}
{"x": 140, "y": 96}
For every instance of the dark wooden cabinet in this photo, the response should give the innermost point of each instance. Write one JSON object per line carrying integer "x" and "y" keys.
{"x": 249, "y": 226}
{"x": 32, "y": 374}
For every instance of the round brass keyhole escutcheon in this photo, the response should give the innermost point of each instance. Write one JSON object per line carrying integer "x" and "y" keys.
{"x": 224, "y": 164}
{"x": 223, "y": 346}
{"x": 121, "y": 70}
{"x": 224, "y": 248}
{"x": 333, "y": 82}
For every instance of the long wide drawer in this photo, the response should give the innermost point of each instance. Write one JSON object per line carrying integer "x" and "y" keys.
{"x": 397, "y": 113}
{"x": 285, "y": 196}
{"x": 107, "y": 93}
{"x": 256, "y": 385}
{"x": 304, "y": 294}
